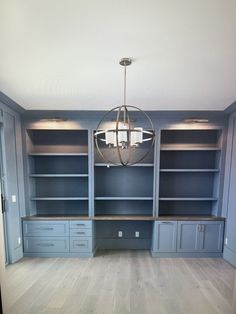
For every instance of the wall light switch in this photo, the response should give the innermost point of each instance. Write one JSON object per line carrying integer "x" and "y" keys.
{"x": 226, "y": 241}
{"x": 120, "y": 234}
{"x": 136, "y": 234}
{"x": 19, "y": 240}
{"x": 13, "y": 198}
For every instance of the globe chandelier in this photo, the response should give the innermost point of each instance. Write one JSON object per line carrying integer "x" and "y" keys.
{"x": 125, "y": 135}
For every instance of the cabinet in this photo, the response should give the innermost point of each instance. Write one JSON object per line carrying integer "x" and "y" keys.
{"x": 58, "y": 238}
{"x": 164, "y": 236}
{"x": 190, "y": 164}
{"x": 200, "y": 236}
{"x": 188, "y": 238}
{"x": 58, "y": 172}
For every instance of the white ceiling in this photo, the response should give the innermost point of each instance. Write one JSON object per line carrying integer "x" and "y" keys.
{"x": 64, "y": 54}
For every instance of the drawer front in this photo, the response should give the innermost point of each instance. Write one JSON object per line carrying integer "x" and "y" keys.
{"x": 80, "y": 244}
{"x": 45, "y": 228}
{"x": 46, "y": 245}
{"x": 80, "y": 232}
{"x": 80, "y": 224}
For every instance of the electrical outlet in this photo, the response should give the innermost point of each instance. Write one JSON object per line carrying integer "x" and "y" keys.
{"x": 136, "y": 234}
{"x": 120, "y": 234}
{"x": 13, "y": 198}
{"x": 226, "y": 241}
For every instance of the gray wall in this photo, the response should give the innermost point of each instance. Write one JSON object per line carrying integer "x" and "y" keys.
{"x": 229, "y": 199}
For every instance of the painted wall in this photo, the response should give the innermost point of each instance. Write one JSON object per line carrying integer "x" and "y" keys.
{"x": 229, "y": 199}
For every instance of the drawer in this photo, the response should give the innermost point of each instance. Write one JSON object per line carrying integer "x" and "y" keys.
{"x": 80, "y": 232}
{"x": 45, "y": 228}
{"x": 80, "y": 244}
{"x": 46, "y": 245}
{"x": 75, "y": 224}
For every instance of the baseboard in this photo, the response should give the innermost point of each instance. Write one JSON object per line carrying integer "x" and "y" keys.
{"x": 229, "y": 256}
{"x": 82, "y": 255}
{"x": 192, "y": 254}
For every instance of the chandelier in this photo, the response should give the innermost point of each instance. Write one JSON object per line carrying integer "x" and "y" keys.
{"x": 125, "y": 135}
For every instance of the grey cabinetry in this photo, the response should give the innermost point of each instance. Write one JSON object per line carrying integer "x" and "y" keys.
{"x": 164, "y": 236}
{"x": 61, "y": 237}
{"x": 188, "y": 236}
{"x": 81, "y": 236}
{"x": 211, "y": 236}
{"x": 46, "y": 237}
{"x": 200, "y": 236}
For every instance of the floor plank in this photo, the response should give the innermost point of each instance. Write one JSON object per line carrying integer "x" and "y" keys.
{"x": 121, "y": 282}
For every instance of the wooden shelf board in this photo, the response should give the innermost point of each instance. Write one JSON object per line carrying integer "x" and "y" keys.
{"x": 189, "y": 170}
{"x": 190, "y": 147}
{"x": 111, "y": 165}
{"x": 58, "y": 154}
{"x": 59, "y": 198}
{"x": 188, "y": 199}
{"x": 52, "y": 175}
{"x": 123, "y": 198}
{"x": 123, "y": 217}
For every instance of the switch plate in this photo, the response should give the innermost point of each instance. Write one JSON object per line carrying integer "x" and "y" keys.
{"x": 13, "y": 198}
{"x": 120, "y": 234}
{"x": 226, "y": 241}
{"x": 136, "y": 234}
{"x": 19, "y": 240}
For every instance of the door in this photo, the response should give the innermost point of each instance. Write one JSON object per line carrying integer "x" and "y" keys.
{"x": 165, "y": 236}
{"x": 211, "y": 236}
{"x": 188, "y": 236}
{"x": 11, "y": 180}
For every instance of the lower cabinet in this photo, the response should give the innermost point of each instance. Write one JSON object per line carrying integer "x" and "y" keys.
{"x": 169, "y": 238}
{"x": 63, "y": 238}
{"x": 186, "y": 238}
{"x": 200, "y": 236}
{"x": 164, "y": 236}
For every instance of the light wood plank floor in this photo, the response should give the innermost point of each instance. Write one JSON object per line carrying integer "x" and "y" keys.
{"x": 121, "y": 282}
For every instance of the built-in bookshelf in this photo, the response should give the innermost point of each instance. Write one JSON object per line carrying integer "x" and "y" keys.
{"x": 124, "y": 190}
{"x": 58, "y": 172}
{"x": 190, "y": 162}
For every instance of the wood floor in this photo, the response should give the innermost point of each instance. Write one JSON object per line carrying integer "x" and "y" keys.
{"x": 121, "y": 282}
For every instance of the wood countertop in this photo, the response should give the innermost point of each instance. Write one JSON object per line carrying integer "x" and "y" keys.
{"x": 123, "y": 218}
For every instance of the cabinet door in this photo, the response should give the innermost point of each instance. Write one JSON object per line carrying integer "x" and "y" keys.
{"x": 188, "y": 236}
{"x": 165, "y": 236}
{"x": 211, "y": 236}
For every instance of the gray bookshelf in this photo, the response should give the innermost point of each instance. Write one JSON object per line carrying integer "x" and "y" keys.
{"x": 120, "y": 191}
{"x": 58, "y": 172}
{"x": 190, "y": 162}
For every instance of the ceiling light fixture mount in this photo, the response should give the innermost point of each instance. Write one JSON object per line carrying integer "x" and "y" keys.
{"x": 125, "y": 135}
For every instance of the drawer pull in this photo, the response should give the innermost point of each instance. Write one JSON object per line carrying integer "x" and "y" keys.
{"x": 80, "y": 245}
{"x": 201, "y": 228}
{"x": 167, "y": 222}
{"x": 45, "y": 244}
{"x": 45, "y": 229}
{"x": 80, "y": 232}
{"x": 80, "y": 225}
